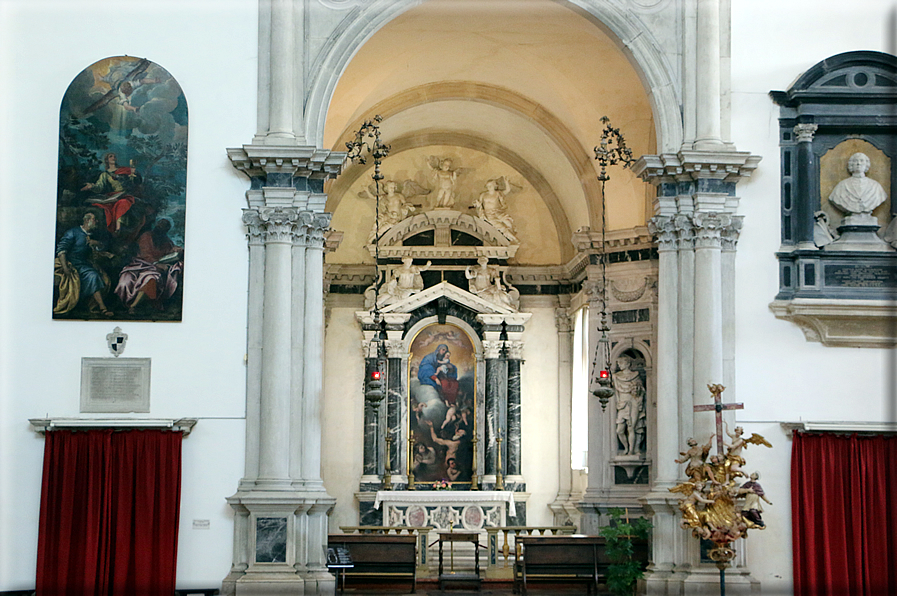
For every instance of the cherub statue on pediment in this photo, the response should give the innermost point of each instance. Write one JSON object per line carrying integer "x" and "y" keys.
{"x": 445, "y": 178}
{"x": 394, "y": 203}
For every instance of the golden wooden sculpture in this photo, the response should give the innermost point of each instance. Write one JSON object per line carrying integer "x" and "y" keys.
{"x": 714, "y": 506}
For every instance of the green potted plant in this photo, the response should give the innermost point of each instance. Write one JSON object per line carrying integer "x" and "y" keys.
{"x": 621, "y": 536}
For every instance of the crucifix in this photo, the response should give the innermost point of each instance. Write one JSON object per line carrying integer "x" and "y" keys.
{"x": 718, "y": 406}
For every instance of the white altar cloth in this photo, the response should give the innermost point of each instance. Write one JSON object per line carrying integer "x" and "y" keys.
{"x": 408, "y": 497}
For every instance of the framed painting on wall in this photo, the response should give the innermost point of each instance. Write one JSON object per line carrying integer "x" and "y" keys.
{"x": 121, "y": 194}
{"x": 442, "y": 402}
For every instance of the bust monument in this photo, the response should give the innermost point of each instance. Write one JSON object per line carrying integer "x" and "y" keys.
{"x": 858, "y": 193}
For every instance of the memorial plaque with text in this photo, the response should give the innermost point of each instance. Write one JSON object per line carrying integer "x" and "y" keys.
{"x": 861, "y": 276}
{"x": 115, "y": 385}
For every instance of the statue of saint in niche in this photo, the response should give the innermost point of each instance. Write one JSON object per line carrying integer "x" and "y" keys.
{"x": 858, "y": 193}
{"x": 630, "y": 394}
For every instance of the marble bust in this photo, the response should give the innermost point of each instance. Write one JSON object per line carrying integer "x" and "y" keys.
{"x": 858, "y": 194}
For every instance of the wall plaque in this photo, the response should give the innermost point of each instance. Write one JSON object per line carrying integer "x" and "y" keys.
{"x": 115, "y": 385}
{"x": 861, "y": 276}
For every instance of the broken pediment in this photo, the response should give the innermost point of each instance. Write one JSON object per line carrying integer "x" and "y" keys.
{"x": 454, "y": 293}
{"x": 444, "y": 234}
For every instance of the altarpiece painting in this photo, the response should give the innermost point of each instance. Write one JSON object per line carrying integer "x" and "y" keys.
{"x": 121, "y": 194}
{"x": 442, "y": 370}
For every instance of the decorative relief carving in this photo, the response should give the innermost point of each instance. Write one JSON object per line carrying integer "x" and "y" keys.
{"x": 628, "y": 290}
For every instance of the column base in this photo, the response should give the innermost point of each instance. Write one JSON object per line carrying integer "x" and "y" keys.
{"x": 280, "y": 537}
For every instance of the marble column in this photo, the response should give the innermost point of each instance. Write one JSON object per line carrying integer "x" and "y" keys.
{"x": 686, "y": 321}
{"x": 807, "y": 187}
{"x": 281, "y": 499}
{"x": 708, "y": 313}
{"x": 708, "y": 122}
{"x": 371, "y": 463}
{"x": 313, "y": 380}
{"x": 256, "y": 238}
{"x": 395, "y": 395}
{"x": 496, "y": 405}
{"x": 729, "y": 239}
{"x": 274, "y": 427}
{"x": 667, "y": 441}
{"x": 513, "y": 443}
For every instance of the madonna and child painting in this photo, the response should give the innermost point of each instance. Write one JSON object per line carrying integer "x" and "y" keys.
{"x": 442, "y": 404}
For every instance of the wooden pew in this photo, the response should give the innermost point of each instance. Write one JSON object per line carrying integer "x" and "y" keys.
{"x": 563, "y": 559}
{"x": 379, "y": 556}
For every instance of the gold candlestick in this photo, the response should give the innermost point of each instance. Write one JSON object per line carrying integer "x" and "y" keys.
{"x": 499, "y": 479}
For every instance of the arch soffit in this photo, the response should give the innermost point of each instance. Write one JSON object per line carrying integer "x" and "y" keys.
{"x": 562, "y": 137}
{"x": 562, "y": 226}
{"x": 644, "y": 53}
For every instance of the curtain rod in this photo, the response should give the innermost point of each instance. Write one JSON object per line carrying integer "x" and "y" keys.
{"x": 841, "y": 427}
{"x": 43, "y": 425}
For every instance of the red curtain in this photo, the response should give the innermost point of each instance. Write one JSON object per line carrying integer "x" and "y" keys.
{"x": 844, "y": 517}
{"x": 109, "y": 513}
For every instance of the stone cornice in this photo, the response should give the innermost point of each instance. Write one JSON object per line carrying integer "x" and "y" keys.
{"x": 306, "y": 162}
{"x": 730, "y": 166}
{"x": 585, "y": 240}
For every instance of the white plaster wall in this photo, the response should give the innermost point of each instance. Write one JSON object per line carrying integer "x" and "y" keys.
{"x": 781, "y": 376}
{"x": 539, "y": 415}
{"x": 343, "y": 412}
{"x": 197, "y": 365}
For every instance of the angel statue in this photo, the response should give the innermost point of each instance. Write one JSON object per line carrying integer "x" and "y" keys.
{"x": 752, "y": 508}
{"x": 405, "y": 281}
{"x": 445, "y": 178}
{"x": 491, "y": 205}
{"x": 733, "y": 452}
{"x": 394, "y": 205}
{"x": 695, "y": 456}
{"x": 484, "y": 280}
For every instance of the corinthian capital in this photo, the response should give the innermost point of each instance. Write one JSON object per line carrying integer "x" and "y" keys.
{"x": 664, "y": 230}
{"x": 805, "y": 132}
{"x": 255, "y": 231}
{"x": 709, "y": 227}
{"x": 685, "y": 230}
{"x": 278, "y": 223}
{"x": 562, "y": 320}
{"x": 492, "y": 348}
{"x": 731, "y": 232}
{"x": 315, "y": 226}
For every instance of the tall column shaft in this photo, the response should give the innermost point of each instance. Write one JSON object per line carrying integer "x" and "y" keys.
{"x": 805, "y": 186}
{"x": 281, "y": 91}
{"x": 708, "y": 76}
{"x": 686, "y": 321}
{"x": 297, "y": 358}
{"x": 314, "y": 351}
{"x": 667, "y": 441}
{"x": 496, "y": 387}
{"x": 514, "y": 438}
{"x": 256, "y": 309}
{"x": 708, "y": 313}
{"x": 274, "y": 427}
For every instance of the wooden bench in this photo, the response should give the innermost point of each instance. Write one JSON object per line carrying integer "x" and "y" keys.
{"x": 562, "y": 559}
{"x": 379, "y": 556}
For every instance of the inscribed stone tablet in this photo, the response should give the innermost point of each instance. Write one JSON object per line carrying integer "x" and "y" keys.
{"x": 115, "y": 385}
